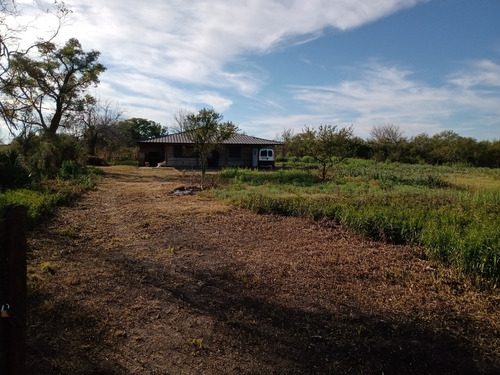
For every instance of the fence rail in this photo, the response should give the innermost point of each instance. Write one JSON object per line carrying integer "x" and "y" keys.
{"x": 13, "y": 229}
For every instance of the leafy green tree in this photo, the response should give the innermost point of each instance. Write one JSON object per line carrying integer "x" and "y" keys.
{"x": 12, "y": 31}
{"x": 207, "y": 131}
{"x": 286, "y": 138}
{"x": 44, "y": 90}
{"x": 445, "y": 147}
{"x": 136, "y": 129}
{"x": 327, "y": 144}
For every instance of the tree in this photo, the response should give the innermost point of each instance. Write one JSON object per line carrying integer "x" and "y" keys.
{"x": 11, "y": 35}
{"x": 136, "y": 128}
{"x": 207, "y": 132}
{"x": 43, "y": 91}
{"x": 445, "y": 147}
{"x": 387, "y": 141}
{"x": 286, "y": 138}
{"x": 97, "y": 121}
{"x": 328, "y": 145}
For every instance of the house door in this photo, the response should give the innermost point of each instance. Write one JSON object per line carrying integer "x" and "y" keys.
{"x": 255, "y": 158}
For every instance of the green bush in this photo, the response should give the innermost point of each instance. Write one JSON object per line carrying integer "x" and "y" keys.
{"x": 44, "y": 155}
{"x": 43, "y": 200}
{"x": 70, "y": 169}
{"x": 307, "y": 160}
{"x": 12, "y": 173}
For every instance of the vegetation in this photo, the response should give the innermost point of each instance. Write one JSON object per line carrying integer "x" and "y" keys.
{"x": 140, "y": 128}
{"x": 327, "y": 145}
{"x": 451, "y": 211}
{"x": 388, "y": 143}
{"x": 207, "y": 132}
{"x": 44, "y": 198}
{"x": 43, "y": 91}
{"x": 394, "y": 194}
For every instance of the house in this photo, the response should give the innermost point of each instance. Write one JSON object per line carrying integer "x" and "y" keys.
{"x": 177, "y": 150}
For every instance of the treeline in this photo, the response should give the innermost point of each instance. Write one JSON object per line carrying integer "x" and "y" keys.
{"x": 33, "y": 157}
{"x": 387, "y": 143}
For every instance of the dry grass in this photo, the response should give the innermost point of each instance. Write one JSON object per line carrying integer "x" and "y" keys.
{"x": 156, "y": 284}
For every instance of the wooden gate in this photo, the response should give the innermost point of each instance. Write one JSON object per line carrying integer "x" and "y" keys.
{"x": 13, "y": 228}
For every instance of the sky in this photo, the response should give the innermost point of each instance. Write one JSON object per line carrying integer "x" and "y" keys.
{"x": 270, "y": 65}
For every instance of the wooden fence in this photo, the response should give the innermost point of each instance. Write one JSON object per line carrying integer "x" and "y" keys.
{"x": 13, "y": 228}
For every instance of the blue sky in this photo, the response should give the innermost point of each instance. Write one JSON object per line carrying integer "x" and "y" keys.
{"x": 270, "y": 65}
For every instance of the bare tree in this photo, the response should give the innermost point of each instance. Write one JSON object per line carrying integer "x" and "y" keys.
{"x": 386, "y": 142}
{"x": 96, "y": 122}
{"x": 179, "y": 120}
{"x": 388, "y": 133}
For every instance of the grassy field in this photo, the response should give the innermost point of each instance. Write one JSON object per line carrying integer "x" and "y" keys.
{"x": 453, "y": 212}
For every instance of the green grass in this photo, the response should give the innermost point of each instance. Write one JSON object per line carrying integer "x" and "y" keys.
{"x": 453, "y": 212}
{"x": 44, "y": 199}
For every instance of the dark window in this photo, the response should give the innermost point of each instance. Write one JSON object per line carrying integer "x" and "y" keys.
{"x": 177, "y": 151}
{"x": 184, "y": 152}
{"x": 235, "y": 152}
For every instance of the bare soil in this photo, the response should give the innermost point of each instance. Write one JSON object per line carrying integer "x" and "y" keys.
{"x": 134, "y": 280}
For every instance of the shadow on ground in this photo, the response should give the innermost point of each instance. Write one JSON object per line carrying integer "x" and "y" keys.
{"x": 271, "y": 338}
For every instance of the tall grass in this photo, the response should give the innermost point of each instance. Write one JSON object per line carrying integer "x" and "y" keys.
{"x": 453, "y": 212}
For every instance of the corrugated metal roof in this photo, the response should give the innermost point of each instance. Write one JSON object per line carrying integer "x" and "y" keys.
{"x": 238, "y": 139}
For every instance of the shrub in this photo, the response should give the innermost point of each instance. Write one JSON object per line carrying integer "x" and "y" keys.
{"x": 96, "y": 161}
{"x": 70, "y": 169}
{"x": 12, "y": 173}
{"x": 43, "y": 154}
{"x": 307, "y": 159}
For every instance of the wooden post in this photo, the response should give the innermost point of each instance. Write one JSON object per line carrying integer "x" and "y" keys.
{"x": 13, "y": 228}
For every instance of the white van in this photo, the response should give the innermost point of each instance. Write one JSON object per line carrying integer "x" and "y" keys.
{"x": 266, "y": 157}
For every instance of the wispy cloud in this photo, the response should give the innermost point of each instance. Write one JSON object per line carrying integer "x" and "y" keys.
{"x": 167, "y": 55}
{"x": 389, "y": 94}
{"x": 193, "y": 41}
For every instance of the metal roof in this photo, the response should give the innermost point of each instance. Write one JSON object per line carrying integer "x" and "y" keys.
{"x": 238, "y": 139}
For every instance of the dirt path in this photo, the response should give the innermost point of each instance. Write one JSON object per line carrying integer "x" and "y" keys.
{"x": 132, "y": 280}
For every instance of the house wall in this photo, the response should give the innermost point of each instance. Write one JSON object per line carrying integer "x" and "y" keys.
{"x": 244, "y": 160}
{"x": 154, "y": 153}
{"x": 179, "y": 162}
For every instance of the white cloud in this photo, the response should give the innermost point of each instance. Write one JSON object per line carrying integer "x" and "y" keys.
{"x": 167, "y": 55}
{"x": 478, "y": 73}
{"x": 389, "y": 94}
{"x": 193, "y": 41}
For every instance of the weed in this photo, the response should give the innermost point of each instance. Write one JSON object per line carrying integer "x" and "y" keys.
{"x": 49, "y": 267}
{"x": 47, "y": 307}
{"x": 197, "y": 345}
{"x": 173, "y": 249}
{"x": 72, "y": 232}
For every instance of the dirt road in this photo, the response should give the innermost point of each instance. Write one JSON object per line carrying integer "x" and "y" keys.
{"x": 133, "y": 280}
